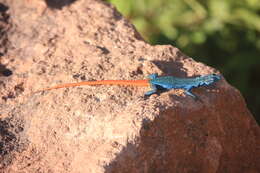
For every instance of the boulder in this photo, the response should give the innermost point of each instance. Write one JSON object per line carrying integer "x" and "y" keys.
{"x": 109, "y": 128}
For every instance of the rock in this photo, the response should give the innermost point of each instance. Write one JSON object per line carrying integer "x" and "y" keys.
{"x": 109, "y": 128}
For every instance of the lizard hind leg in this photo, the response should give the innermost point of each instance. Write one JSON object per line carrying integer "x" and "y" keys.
{"x": 153, "y": 91}
{"x": 154, "y": 88}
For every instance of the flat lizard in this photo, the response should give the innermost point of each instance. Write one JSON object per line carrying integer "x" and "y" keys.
{"x": 155, "y": 82}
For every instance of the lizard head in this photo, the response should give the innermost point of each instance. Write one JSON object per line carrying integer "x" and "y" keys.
{"x": 209, "y": 79}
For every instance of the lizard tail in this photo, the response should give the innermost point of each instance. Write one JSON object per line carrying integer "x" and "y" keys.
{"x": 102, "y": 82}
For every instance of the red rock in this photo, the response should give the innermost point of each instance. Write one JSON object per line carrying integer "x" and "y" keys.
{"x": 110, "y": 128}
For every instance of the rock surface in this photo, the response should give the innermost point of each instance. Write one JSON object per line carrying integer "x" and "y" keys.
{"x": 109, "y": 128}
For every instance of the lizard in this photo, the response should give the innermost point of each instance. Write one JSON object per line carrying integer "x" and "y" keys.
{"x": 154, "y": 81}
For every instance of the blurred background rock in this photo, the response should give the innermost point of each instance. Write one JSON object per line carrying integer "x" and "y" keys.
{"x": 223, "y": 34}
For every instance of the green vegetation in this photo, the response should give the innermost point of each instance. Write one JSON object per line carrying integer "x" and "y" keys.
{"x": 222, "y": 33}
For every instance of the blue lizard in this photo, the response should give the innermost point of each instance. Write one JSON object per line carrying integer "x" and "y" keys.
{"x": 155, "y": 82}
{"x": 170, "y": 82}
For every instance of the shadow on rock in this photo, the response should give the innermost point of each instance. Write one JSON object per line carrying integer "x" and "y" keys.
{"x": 11, "y": 140}
{"x": 58, "y": 4}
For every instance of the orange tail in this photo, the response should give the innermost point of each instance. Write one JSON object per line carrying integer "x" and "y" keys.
{"x": 102, "y": 82}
